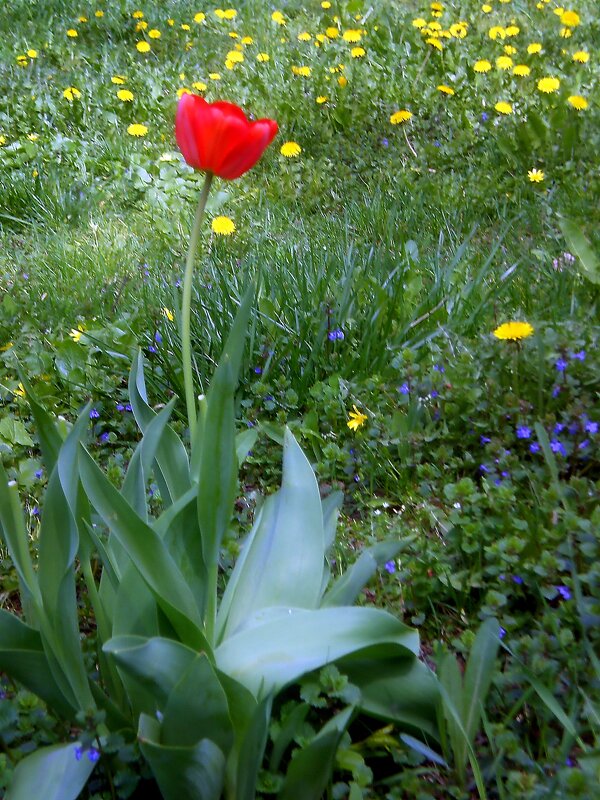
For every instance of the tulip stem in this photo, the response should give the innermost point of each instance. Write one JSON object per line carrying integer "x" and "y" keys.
{"x": 186, "y": 307}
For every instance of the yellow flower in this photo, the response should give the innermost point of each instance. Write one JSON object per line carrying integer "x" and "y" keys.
{"x": 278, "y": 17}
{"x": 75, "y": 333}
{"x": 352, "y": 35}
{"x": 3, "y": 138}
{"x": 458, "y": 30}
{"x": 496, "y": 31}
{"x": 578, "y": 102}
{"x": 135, "y": 129}
{"x": 125, "y": 95}
{"x": 247, "y": 40}
{"x": 486, "y": 8}
{"x": 534, "y": 48}
{"x": 357, "y": 52}
{"x": 356, "y": 419}
{"x": 185, "y": 26}
{"x": 263, "y": 57}
{"x": 548, "y": 85}
{"x": 138, "y": 15}
{"x": 32, "y": 53}
{"x": 72, "y": 33}
{"x": 570, "y": 19}
{"x": 581, "y": 57}
{"x": 99, "y": 14}
{"x": 512, "y": 30}
{"x": 342, "y": 81}
{"x": 513, "y": 331}
{"x": 522, "y": 70}
{"x": 143, "y": 47}
{"x": 332, "y": 33}
{"x": 435, "y": 43}
{"x": 325, "y": 4}
{"x": 71, "y": 93}
{"x": 321, "y": 99}
{"x": 118, "y": 79}
{"x": 33, "y": 137}
{"x": 199, "y": 17}
{"x": 419, "y": 22}
{"x": 19, "y": 391}
{"x": 302, "y": 71}
{"x": 6, "y": 347}
{"x": 566, "y": 33}
{"x": 214, "y": 76}
{"x": 445, "y": 89}
{"x": 167, "y": 313}
{"x": 304, "y": 37}
{"x": 199, "y": 86}
{"x": 504, "y": 62}
{"x": 482, "y": 66}
{"x": 536, "y": 175}
{"x": 223, "y": 226}
{"x": 230, "y": 13}
{"x": 401, "y": 116}
{"x": 141, "y": 26}
{"x": 154, "y": 34}
{"x": 22, "y": 60}
{"x": 503, "y": 108}
{"x": 183, "y": 90}
{"x": 509, "y": 49}
{"x": 290, "y": 149}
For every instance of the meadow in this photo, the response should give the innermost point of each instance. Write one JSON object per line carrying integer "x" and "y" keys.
{"x": 405, "y": 289}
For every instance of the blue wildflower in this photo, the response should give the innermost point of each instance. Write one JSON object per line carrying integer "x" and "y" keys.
{"x": 591, "y": 427}
{"x": 79, "y": 753}
{"x": 556, "y": 391}
{"x": 561, "y": 364}
{"x": 484, "y": 439}
{"x": 558, "y": 447}
{"x": 517, "y": 579}
{"x": 439, "y": 368}
{"x": 94, "y": 414}
{"x": 158, "y": 337}
{"x": 580, "y": 356}
{"x": 390, "y": 567}
{"x": 534, "y": 447}
{"x": 258, "y": 370}
{"x": 558, "y": 428}
{"x": 404, "y": 389}
{"x": 584, "y": 445}
{"x": 152, "y": 349}
{"x": 39, "y": 473}
{"x": 484, "y": 116}
{"x": 523, "y": 432}
{"x": 93, "y": 755}
{"x": 502, "y": 632}
{"x": 564, "y": 592}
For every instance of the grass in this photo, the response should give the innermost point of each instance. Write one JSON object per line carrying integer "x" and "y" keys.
{"x": 385, "y": 253}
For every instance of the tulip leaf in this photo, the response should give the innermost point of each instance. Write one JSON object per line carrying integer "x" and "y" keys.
{"x": 310, "y": 769}
{"x": 587, "y": 260}
{"x": 47, "y": 433}
{"x": 279, "y": 645}
{"x": 244, "y": 442}
{"x": 195, "y": 773}
{"x": 283, "y": 558}
{"x": 478, "y": 674}
{"x": 54, "y": 773}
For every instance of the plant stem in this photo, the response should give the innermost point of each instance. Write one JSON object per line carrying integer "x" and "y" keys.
{"x": 186, "y": 304}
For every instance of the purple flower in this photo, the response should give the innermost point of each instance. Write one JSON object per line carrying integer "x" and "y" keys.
{"x": 79, "y": 753}
{"x": 484, "y": 116}
{"x": 558, "y": 427}
{"x": 127, "y": 407}
{"x": 338, "y": 333}
{"x": 158, "y": 337}
{"x": 435, "y": 393}
{"x": 558, "y": 447}
{"x": 573, "y": 428}
{"x": 93, "y": 755}
{"x": 104, "y": 437}
{"x": 534, "y": 447}
{"x": 94, "y": 414}
{"x": 564, "y": 592}
{"x": 404, "y": 389}
{"x": 390, "y": 567}
{"x": 584, "y": 445}
{"x": 152, "y": 349}
{"x": 485, "y": 439}
{"x": 439, "y": 368}
{"x": 505, "y": 474}
{"x": 436, "y": 144}
{"x": 502, "y": 632}
{"x": 39, "y": 473}
{"x": 483, "y": 468}
{"x": 258, "y": 370}
{"x": 561, "y": 364}
{"x": 523, "y": 432}
{"x": 517, "y": 579}
{"x": 556, "y": 391}
{"x": 580, "y": 356}
{"x": 35, "y": 511}
{"x": 120, "y": 407}
{"x": 591, "y": 427}
{"x": 384, "y": 142}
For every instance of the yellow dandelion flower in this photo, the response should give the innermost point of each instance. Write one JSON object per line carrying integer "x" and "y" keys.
{"x": 352, "y": 35}
{"x": 509, "y": 49}
{"x": 247, "y": 40}
{"x": 304, "y": 37}
{"x": 322, "y": 98}
{"x": 263, "y": 57}
{"x": 32, "y": 53}
{"x": 199, "y": 86}
{"x": 513, "y": 331}
{"x": 230, "y": 13}
{"x": 512, "y": 30}
{"x": 581, "y": 57}
{"x": 141, "y": 26}
{"x": 497, "y": 32}
{"x": 99, "y": 14}
{"x": 71, "y": 93}
{"x": 278, "y": 17}
{"x": 419, "y": 23}
{"x": 223, "y": 226}
{"x": 570, "y": 19}
{"x": 486, "y": 8}
{"x": 435, "y": 26}
{"x": 536, "y": 175}
{"x": 235, "y": 56}
{"x": 143, "y": 47}
{"x": 357, "y": 52}
{"x": 342, "y": 81}
{"x": 578, "y": 102}
{"x": 185, "y": 27}
{"x": 22, "y": 60}
{"x": 566, "y": 33}
{"x": 521, "y": 70}
{"x": 325, "y": 4}
{"x": 135, "y": 129}
{"x": 167, "y": 314}
{"x": 19, "y": 391}
{"x": 3, "y": 140}
{"x": 290, "y": 149}
{"x": 72, "y": 33}
{"x": 33, "y": 137}
{"x": 75, "y": 333}
{"x": 445, "y": 89}
{"x": 504, "y": 62}
{"x": 154, "y": 33}
{"x": 503, "y": 108}
{"x": 435, "y": 43}
{"x": 534, "y": 48}
{"x": 548, "y": 85}
{"x": 199, "y": 17}
{"x": 183, "y": 90}
{"x": 483, "y": 65}
{"x": 398, "y": 117}
{"x": 138, "y": 15}
{"x": 458, "y": 30}
{"x": 214, "y": 76}
{"x": 355, "y": 419}
{"x": 304, "y": 72}
{"x": 6, "y": 347}
{"x": 119, "y": 80}
{"x": 125, "y": 95}
{"x": 332, "y": 33}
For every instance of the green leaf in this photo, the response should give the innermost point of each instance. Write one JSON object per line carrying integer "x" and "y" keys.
{"x": 146, "y": 550}
{"x": 14, "y": 432}
{"x": 244, "y": 442}
{"x": 53, "y": 773}
{"x": 283, "y": 557}
{"x": 587, "y": 259}
{"x": 249, "y": 752}
{"x": 478, "y": 675}
{"x": 193, "y": 773}
{"x": 289, "y": 730}
{"x": 46, "y": 430}
{"x": 279, "y": 645}
{"x": 311, "y": 768}
{"x": 22, "y": 657}
{"x": 423, "y": 749}
{"x": 451, "y": 683}
{"x": 331, "y": 506}
{"x": 349, "y": 585}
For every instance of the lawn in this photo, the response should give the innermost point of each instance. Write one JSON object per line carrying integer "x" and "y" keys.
{"x": 402, "y": 298}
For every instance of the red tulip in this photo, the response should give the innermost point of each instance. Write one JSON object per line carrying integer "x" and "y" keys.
{"x": 218, "y": 137}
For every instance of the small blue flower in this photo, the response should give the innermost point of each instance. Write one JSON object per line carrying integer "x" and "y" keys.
{"x": 580, "y": 356}
{"x": 79, "y": 753}
{"x": 436, "y": 144}
{"x": 558, "y": 428}
{"x": 39, "y": 473}
{"x": 573, "y": 428}
{"x": 404, "y": 389}
{"x": 258, "y": 370}
{"x": 485, "y": 439}
{"x": 534, "y": 447}
{"x": 483, "y": 468}
{"x": 152, "y": 349}
{"x": 384, "y": 142}
{"x": 439, "y": 368}
{"x": 564, "y": 592}
{"x": 591, "y": 427}
{"x": 556, "y": 391}
{"x": 584, "y": 445}
{"x": 435, "y": 393}
{"x": 127, "y": 406}
{"x": 337, "y": 334}
{"x": 93, "y": 755}
{"x": 390, "y": 567}
{"x": 158, "y": 337}
{"x": 35, "y": 511}
{"x": 517, "y": 579}
{"x": 502, "y": 632}
{"x": 94, "y": 414}
{"x": 558, "y": 447}
{"x": 104, "y": 437}
{"x": 120, "y": 407}
{"x": 561, "y": 364}
{"x": 484, "y": 116}
{"x": 523, "y": 432}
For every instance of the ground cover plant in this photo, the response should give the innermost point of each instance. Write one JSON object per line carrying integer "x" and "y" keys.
{"x": 423, "y": 238}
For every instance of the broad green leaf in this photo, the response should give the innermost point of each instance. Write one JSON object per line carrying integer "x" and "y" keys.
{"x": 22, "y": 657}
{"x": 283, "y": 559}
{"x": 278, "y": 646}
{"x": 172, "y": 464}
{"x": 69, "y": 480}
{"x": 587, "y": 259}
{"x": 146, "y": 550}
{"x": 244, "y": 442}
{"x": 182, "y": 773}
{"x": 478, "y": 674}
{"x": 285, "y": 735}
{"x": 14, "y": 432}
{"x": 46, "y": 430}
{"x": 197, "y": 709}
{"x": 551, "y": 703}
{"x": 243, "y": 769}
{"x": 347, "y": 587}
{"x": 451, "y": 684}
{"x": 310, "y": 769}
{"x": 331, "y": 506}
{"x": 51, "y": 773}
